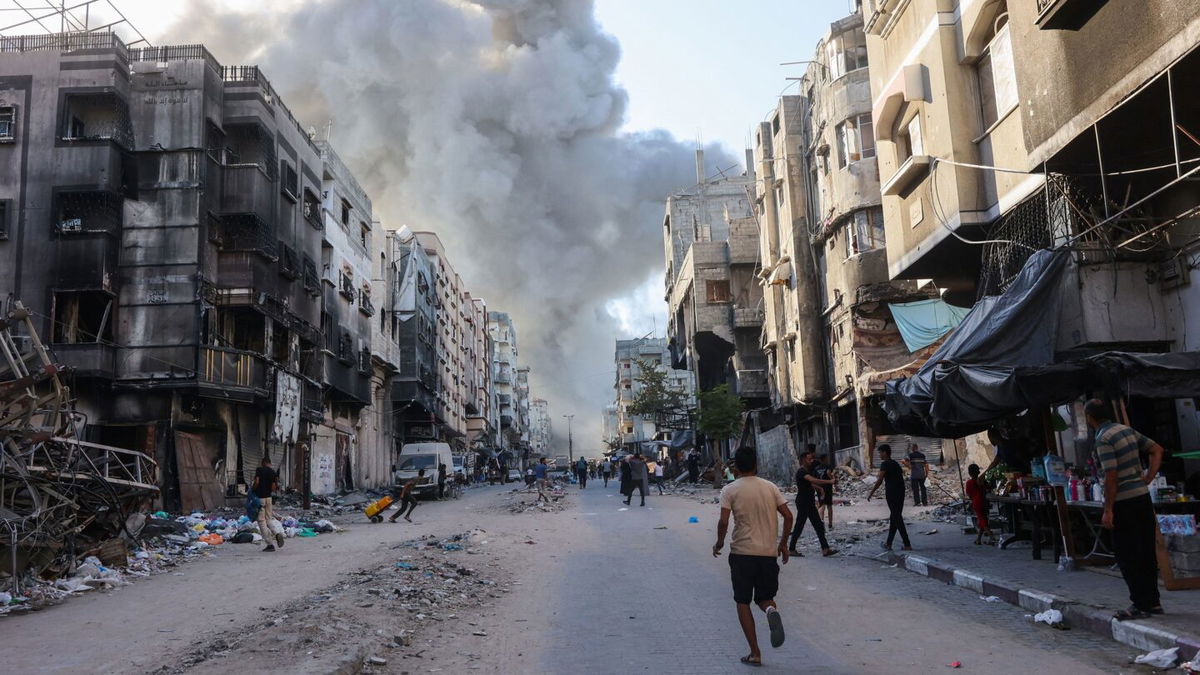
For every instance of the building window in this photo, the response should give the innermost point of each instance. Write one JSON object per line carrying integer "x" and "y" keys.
{"x": 997, "y": 75}
{"x": 288, "y": 180}
{"x": 856, "y": 140}
{"x": 847, "y": 420}
{"x": 345, "y": 212}
{"x": 6, "y": 210}
{"x": 96, "y": 117}
{"x": 312, "y": 208}
{"x": 363, "y": 232}
{"x": 717, "y": 290}
{"x": 94, "y": 211}
{"x": 846, "y": 53}
{"x": 8, "y": 123}
{"x": 82, "y": 316}
{"x": 909, "y": 142}
{"x": 864, "y": 231}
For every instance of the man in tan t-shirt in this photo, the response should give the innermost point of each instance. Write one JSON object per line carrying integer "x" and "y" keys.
{"x": 756, "y": 505}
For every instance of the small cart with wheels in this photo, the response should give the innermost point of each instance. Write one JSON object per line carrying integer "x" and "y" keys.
{"x": 374, "y": 512}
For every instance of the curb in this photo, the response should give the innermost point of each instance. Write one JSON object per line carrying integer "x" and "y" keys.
{"x": 1136, "y": 634}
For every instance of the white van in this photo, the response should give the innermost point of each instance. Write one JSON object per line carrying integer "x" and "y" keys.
{"x": 416, "y": 456}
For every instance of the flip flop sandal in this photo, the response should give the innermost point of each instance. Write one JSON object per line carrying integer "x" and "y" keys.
{"x": 1130, "y": 614}
{"x": 751, "y": 662}
{"x": 775, "y": 621}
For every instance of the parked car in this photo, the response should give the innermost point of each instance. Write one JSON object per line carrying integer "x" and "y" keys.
{"x": 514, "y": 475}
{"x": 460, "y": 470}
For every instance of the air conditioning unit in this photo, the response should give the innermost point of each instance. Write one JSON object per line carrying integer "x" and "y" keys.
{"x": 71, "y": 225}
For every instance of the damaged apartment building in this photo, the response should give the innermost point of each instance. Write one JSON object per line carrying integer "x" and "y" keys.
{"x": 715, "y": 303}
{"x": 212, "y": 274}
{"x": 923, "y": 175}
{"x": 829, "y": 329}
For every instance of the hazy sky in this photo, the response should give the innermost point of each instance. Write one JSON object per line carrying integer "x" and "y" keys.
{"x": 702, "y": 70}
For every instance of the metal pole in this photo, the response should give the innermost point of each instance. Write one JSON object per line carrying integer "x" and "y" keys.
{"x": 570, "y": 441}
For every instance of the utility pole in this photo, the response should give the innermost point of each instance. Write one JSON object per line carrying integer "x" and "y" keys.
{"x": 570, "y": 441}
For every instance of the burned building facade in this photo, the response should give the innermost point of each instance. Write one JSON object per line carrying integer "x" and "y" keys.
{"x": 214, "y": 275}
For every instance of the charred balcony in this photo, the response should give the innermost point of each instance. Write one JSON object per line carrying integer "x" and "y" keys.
{"x": 234, "y": 374}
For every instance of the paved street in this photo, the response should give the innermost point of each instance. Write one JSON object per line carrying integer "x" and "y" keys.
{"x": 600, "y": 590}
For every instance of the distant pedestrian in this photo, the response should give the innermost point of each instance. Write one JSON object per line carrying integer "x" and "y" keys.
{"x": 756, "y": 505}
{"x": 1128, "y": 509}
{"x": 528, "y": 478}
{"x": 540, "y": 471}
{"x": 693, "y": 466}
{"x": 916, "y": 475}
{"x": 408, "y": 501}
{"x": 640, "y": 478}
{"x": 441, "y": 481}
{"x": 977, "y": 493}
{"x": 266, "y": 482}
{"x": 658, "y": 477}
{"x": 581, "y": 472}
{"x": 807, "y": 483}
{"x": 606, "y": 469}
{"x": 626, "y": 480}
{"x": 891, "y": 477}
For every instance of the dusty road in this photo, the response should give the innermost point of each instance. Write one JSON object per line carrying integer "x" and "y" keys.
{"x": 601, "y": 589}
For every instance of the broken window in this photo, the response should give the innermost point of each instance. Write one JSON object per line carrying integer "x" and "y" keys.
{"x": 364, "y": 231}
{"x": 5, "y": 214}
{"x": 909, "y": 142}
{"x": 214, "y": 141}
{"x": 83, "y": 316}
{"x": 288, "y": 180}
{"x": 280, "y": 345}
{"x": 847, "y": 420}
{"x": 251, "y": 144}
{"x": 8, "y": 123}
{"x": 997, "y": 75}
{"x": 96, "y": 117}
{"x": 312, "y": 282}
{"x": 346, "y": 212}
{"x": 717, "y": 290}
{"x": 242, "y": 328}
{"x": 92, "y": 211}
{"x": 864, "y": 231}
{"x": 856, "y": 140}
{"x": 846, "y": 53}
{"x": 312, "y": 208}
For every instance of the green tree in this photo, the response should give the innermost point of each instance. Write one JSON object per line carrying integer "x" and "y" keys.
{"x": 656, "y": 396}
{"x": 720, "y": 416}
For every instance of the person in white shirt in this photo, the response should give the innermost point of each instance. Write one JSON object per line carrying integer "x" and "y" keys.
{"x": 756, "y": 505}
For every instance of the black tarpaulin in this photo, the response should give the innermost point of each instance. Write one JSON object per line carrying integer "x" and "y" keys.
{"x": 965, "y": 382}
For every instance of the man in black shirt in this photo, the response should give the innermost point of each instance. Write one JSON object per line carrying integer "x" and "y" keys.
{"x": 266, "y": 481}
{"x": 891, "y": 477}
{"x": 806, "y": 506}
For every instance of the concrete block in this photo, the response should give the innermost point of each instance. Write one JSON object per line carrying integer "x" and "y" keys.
{"x": 1035, "y": 601}
{"x": 917, "y": 564}
{"x": 1141, "y": 636}
{"x": 970, "y": 580}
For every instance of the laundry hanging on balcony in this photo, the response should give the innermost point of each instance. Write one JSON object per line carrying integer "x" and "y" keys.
{"x": 923, "y": 322}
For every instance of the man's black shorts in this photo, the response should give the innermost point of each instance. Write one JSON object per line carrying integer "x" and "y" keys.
{"x": 755, "y": 578}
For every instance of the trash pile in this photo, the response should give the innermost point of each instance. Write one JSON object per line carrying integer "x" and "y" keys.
{"x": 162, "y": 542}
{"x": 59, "y": 496}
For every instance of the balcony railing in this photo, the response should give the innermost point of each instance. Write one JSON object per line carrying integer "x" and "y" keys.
{"x": 312, "y": 403}
{"x": 1066, "y": 14}
{"x": 747, "y": 317}
{"x": 248, "y": 190}
{"x": 365, "y": 306}
{"x": 752, "y": 383}
{"x": 235, "y": 372}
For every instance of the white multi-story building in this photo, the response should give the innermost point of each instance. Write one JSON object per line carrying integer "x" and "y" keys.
{"x": 540, "y": 430}
{"x": 504, "y": 378}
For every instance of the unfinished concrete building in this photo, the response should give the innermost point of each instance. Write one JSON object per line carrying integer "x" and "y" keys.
{"x": 504, "y": 376}
{"x": 636, "y": 433}
{"x": 415, "y": 385}
{"x": 715, "y": 301}
{"x": 482, "y": 418}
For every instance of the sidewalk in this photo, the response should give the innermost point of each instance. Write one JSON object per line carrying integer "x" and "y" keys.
{"x": 1087, "y": 597}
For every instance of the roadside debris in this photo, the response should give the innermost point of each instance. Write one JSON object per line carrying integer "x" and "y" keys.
{"x": 1159, "y": 658}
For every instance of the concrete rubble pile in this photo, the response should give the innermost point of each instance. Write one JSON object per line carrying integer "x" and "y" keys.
{"x": 60, "y": 497}
{"x": 527, "y": 501}
{"x": 372, "y": 617}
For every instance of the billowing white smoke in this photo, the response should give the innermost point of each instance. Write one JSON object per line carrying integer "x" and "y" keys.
{"x": 494, "y": 123}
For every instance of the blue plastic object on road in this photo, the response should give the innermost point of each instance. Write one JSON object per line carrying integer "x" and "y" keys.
{"x": 693, "y": 519}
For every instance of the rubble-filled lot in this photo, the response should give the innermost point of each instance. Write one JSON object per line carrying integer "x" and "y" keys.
{"x": 527, "y": 500}
{"x": 385, "y": 618}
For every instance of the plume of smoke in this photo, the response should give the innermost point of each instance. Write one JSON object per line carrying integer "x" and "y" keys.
{"x": 496, "y": 124}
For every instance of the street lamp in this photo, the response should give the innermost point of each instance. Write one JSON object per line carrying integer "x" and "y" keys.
{"x": 570, "y": 441}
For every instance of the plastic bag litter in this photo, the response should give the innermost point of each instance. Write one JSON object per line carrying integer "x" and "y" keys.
{"x": 1192, "y": 666}
{"x": 73, "y": 585}
{"x": 305, "y": 532}
{"x": 5, "y": 599}
{"x": 693, "y": 519}
{"x": 1049, "y": 617}
{"x": 276, "y": 526}
{"x": 1159, "y": 658}
{"x": 212, "y": 539}
{"x": 990, "y": 598}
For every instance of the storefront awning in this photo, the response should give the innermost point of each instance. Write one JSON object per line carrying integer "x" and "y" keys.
{"x": 923, "y": 322}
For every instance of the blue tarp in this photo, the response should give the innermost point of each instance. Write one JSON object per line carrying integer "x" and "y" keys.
{"x": 924, "y": 322}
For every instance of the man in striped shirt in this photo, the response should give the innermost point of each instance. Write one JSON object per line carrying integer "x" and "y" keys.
{"x": 1128, "y": 510}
